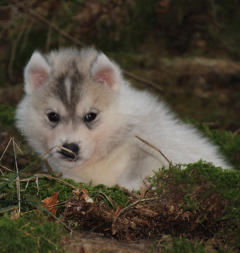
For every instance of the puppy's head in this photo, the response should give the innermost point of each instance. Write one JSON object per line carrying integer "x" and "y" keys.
{"x": 71, "y": 106}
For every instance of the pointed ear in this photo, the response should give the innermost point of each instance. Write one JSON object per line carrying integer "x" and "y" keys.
{"x": 36, "y": 72}
{"x": 106, "y": 71}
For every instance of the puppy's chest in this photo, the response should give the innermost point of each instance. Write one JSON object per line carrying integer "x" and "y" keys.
{"x": 108, "y": 170}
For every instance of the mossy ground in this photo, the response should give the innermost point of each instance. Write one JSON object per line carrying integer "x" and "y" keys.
{"x": 196, "y": 209}
{"x": 201, "y": 203}
{"x": 191, "y": 220}
{"x": 31, "y": 232}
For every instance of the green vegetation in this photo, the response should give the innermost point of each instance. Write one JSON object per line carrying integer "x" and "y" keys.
{"x": 31, "y": 232}
{"x": 204, "y": 201}
{"x": 7, "y": 114}
{"x": 207, "y": 195}
{"x": 228, "y": 142}
{"x": 181, "y": 245}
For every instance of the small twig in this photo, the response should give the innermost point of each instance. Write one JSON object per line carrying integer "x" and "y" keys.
{"x": 68, "y": 150}
{"x": 107, "y": 198}
{"x": 37, "y": 185}
{"x": 13, "y": 177}
{"x": 5, "y": 168}
{"x": 15, "y": 44}
{"x": 8, "y": 209}
{"x": 18, "y": 148}
{"x": 128, "y": 207}
{"x": 49, "y": 36}
{"x": 26, "y": 186}
{"x": 58, "y": 204}
{"x": 49, "y": 241}
{"x": 236, "y": 133}
{"x": 143, "y": 80}
{"x": 155, "y": 148}
{"x": 45, "y": 21}
{"x": 17, "y": 178}
{"x": 50, "y": 177}
{"x": 5, "y": 150}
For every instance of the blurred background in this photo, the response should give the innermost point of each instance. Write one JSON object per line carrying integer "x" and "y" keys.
{"x": 183, "y": 50}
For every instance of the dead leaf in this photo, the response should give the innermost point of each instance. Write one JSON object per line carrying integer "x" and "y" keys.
{"x": 14, "y": 215}
{"x": 50, "y": 203}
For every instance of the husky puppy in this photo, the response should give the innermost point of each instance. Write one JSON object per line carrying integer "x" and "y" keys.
{"x": 78, "y": 104}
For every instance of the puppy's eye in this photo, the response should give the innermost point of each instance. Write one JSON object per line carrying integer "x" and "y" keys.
{"x": 90, "y": 117}
{"x": 53, "y": 117}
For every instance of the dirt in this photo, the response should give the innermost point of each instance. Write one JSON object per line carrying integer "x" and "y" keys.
{"x": 85, "y": 242}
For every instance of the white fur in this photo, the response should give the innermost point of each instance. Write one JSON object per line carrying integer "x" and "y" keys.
{"x": 110, "y": 153}
{"x": 35, "y": 72}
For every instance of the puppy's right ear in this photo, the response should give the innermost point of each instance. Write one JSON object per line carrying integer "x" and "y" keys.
{"x": 36, "y": 72}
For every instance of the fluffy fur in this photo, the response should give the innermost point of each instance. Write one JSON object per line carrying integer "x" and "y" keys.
{"x": 72, "y": 83}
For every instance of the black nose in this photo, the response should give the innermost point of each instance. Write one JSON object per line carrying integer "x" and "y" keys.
{"x": 70, "y": 150}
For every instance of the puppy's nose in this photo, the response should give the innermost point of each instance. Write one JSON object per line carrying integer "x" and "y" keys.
{"x": 71, "y": 150}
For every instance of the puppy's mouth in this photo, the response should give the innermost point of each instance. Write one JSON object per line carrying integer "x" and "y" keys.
{"x": 68, "y": 155}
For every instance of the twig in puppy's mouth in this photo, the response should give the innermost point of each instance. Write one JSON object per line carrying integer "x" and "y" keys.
{"x": 68, "y": 151}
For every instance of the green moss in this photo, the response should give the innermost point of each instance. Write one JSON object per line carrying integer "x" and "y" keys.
{"x": 209, "y": 193}
{"x": 6, "y": 115}
{"x": 29, "y": 233}
{"x": 181, "y": 245}
{"x": 115, "y": 194}
{"x": 36, "y": 191}
{"x": 225, "y": 182}
{"x": 228, "y": 143}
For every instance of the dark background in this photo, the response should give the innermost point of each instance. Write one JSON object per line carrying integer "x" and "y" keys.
{"x": 188, "y": 49}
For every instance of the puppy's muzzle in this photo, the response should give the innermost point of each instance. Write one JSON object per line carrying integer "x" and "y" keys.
{"x": 69, "y": 151}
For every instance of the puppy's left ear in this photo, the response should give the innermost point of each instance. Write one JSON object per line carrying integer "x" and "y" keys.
{"x": 106, "y": 71}
{"x": 36, "y": 72}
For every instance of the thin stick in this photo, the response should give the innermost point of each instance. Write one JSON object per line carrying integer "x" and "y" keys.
{"x": 5, "y": 149}
{"x": 15, "y": 44}
{"x": 107, "y": 198}
{"x": 18, "y": 148}
{"x": 4, "y": 167}
{"x": 37, "y": 185}
{"x": 17, "y": 178}
{"x": 7, "y": 209}
{"x": 52, "y": 25}
{"x": 155, "y": 148}
{"x": 143, "y": 80}
{"x": 130, "y": 206}
{"x": 42, "y": 175}
{"x": 236, "y": 133}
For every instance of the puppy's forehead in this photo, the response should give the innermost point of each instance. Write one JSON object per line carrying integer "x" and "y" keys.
{"x": 72, "y": 85}
{"x": 69, "y": 69}
{"x": 67, "y": 86}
